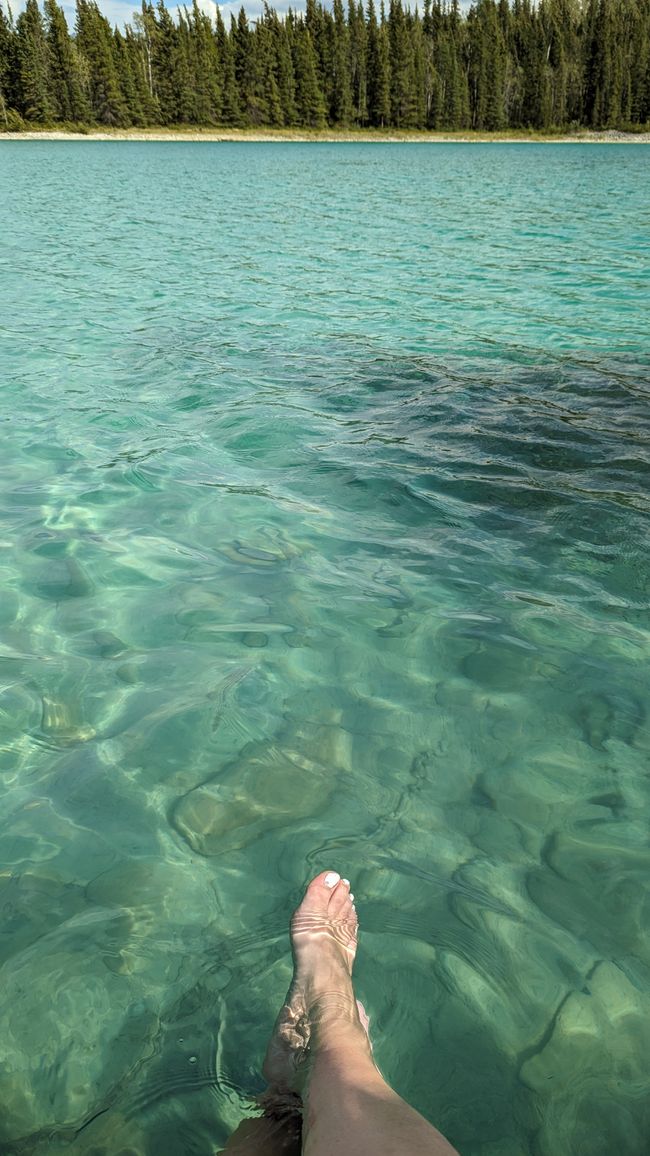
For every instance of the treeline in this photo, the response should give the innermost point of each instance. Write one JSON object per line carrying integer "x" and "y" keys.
{"x": 503, "y": 65}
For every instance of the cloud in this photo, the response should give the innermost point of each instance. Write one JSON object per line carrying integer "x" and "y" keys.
{"x": 120, "y": 12}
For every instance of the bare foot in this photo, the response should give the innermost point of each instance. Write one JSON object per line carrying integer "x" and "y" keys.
{"x": 324, "y": 942}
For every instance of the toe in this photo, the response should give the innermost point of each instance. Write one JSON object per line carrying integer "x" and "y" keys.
{"x": 340, "y": 903}
{"x": 320, "y": 892}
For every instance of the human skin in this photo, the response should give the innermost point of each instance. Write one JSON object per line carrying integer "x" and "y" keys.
{"x": 320, "y": 1050}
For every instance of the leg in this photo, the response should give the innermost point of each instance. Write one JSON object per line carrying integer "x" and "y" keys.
{"x": 350, "y": 1110}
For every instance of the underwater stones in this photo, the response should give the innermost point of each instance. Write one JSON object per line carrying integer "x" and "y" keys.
{"x": 155, "y": 889}
{"x": 297, "y": 639}
{"x": 538, "y": 789}
{"x": 69, "y": 1030}
{"x": 108, "y": 644}
{"x": 602, "y": 716}
{"x": 594, "y": 1067}
{"x": 268, "y": 789}
{"x": 64, "y": 578}
{"x": 596, "y": 886}
{"x": 33, "y": 903}
{"x": 255, "y": 638}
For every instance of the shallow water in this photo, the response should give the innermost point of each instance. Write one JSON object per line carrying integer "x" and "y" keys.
{"x": 324, "y": 543}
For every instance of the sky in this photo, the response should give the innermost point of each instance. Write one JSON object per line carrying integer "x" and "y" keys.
{"x": 120, "y": 12}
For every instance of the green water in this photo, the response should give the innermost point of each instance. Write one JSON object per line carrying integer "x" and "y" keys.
{"x": 324, "y": 544}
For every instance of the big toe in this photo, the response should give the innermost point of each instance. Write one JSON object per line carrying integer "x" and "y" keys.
{"x": 318, "y": 895}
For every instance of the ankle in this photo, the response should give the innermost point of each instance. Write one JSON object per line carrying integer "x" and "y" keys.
{"x": 341, "y": 1034}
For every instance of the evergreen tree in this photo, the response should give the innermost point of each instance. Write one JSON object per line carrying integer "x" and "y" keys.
{"x": 143, "y": 38}
{"x": 378, "y": 68}
{"x": 8, "y": 71}
{"x": 33, "y": 68}
{"x": 281, "y": 34}
{"x": 310, "y": 102}
{"x": 265, "y": 50}
{"x": 604, "y": 81}
{"x": 639, "y": 68}
{"x": 231, "y": 113}
{"x": 341, "y": 106}
{"x": 403, "y": 95}
{"x": 517, "y": 63}
{"x": 421, "y": 71}
{"x": 66, "y": 89}
{"x": 185, "y": 80}
{"x": 487, "y": 72}
{"x": 249, "y": 72}
{"x": 358, "y": 62}
{"x": 139, "y": 72}
{"x": 95, "y": 43}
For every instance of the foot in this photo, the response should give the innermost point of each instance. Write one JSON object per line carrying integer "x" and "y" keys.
{"x": 324, "y": 942}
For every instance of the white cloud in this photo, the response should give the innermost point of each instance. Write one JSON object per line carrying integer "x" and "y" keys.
{"x": 120, "y": 12}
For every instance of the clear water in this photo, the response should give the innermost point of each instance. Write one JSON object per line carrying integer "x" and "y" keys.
{"x": 324, "y": 544}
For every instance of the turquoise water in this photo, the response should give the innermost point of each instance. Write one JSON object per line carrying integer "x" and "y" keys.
{"x": 324, "y": 544}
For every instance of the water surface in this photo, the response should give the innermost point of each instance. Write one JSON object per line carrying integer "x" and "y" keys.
{"x": 324, "y": 544}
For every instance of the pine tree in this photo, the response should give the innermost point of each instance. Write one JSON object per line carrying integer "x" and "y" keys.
{"x": 341, "y": 106}
{"x": 378, "y": 68}
{"x": 639, "y": 67}
{"x": 204, "y": 67}
{"x": 140, "y": 73}
{"x": 403, "y": 96}
{"x": 310, "y": 101}
{"x": 281, "y": 35}
{"x": 185, "y": 79}
{"x": 521, "y": 63}
{"x": 604, "y": 64}
{"x": 127, "y": 77}
{"x": 35, "y": 97}
{"x": 421, "y": 71}
{"x": 141, "y": 49}
{"x": 66, "y": 90}
{"x": 358, "y": 62}
{"x": 267, "y": 67}
{"x": 487, "y": 59}
{"x": 95, "y": 42}
{"x": 230, "y": 107}
{"x": 8, "y": 72}
{"x": 247, "y": 71}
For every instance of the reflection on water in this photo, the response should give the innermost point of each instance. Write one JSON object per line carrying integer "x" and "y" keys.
{"x": 324, "y": 544}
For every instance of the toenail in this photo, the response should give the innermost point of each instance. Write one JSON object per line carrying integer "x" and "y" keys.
{"x": 351, "y": 898}
{"x": 346, "y": 881}
{"x": 331, "y": 879}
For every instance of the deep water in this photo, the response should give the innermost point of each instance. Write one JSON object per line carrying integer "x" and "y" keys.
{"x": 324, "y": 543}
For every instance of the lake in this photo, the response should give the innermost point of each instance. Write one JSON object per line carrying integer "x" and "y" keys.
{"x": 324, "y": 544}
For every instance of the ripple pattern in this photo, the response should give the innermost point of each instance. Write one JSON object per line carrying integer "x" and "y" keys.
{"x": 324, "y": 542}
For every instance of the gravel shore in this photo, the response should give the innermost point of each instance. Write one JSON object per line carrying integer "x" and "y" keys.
{"x": 610, "y": 136}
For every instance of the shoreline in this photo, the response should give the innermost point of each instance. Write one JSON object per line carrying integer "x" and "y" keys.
{"x": 606, "y": 136}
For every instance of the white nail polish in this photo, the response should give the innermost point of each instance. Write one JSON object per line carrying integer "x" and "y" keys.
{"x": 351, "y": 898}
{"x": 331, "y": 879}
{"x": 346, "y": 881}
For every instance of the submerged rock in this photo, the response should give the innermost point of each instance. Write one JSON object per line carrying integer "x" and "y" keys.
{"x": 266, "y": 790}
{"x": 70, "y": 1030}
{"x": 595, "y": 886}
{"x": 592, "y": 1075}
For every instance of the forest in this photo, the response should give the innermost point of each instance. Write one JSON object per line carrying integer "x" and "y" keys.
{"x": 553, "y": 65}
